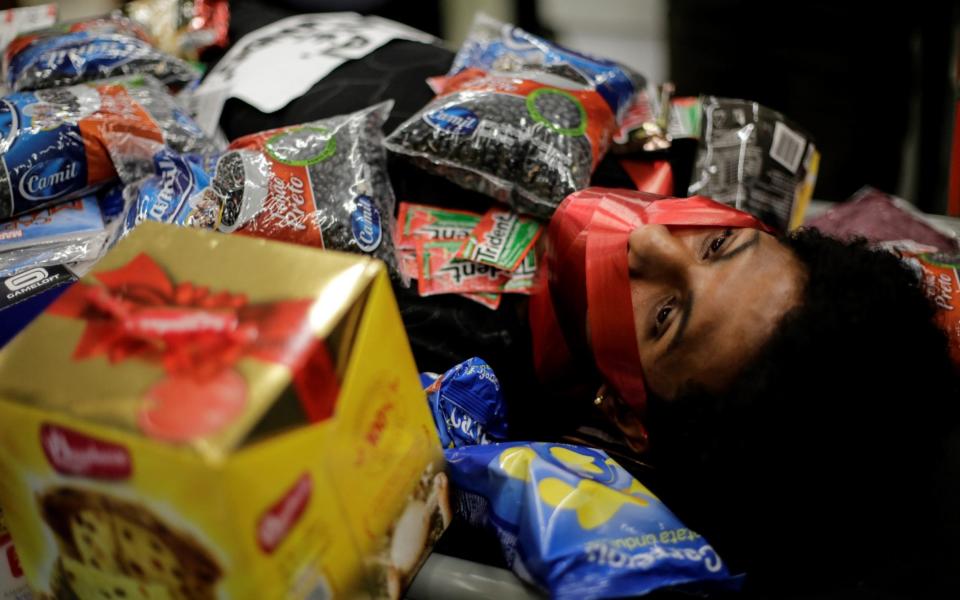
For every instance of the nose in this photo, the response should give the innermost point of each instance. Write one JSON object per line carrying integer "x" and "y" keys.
{"x": 655, "y": 254}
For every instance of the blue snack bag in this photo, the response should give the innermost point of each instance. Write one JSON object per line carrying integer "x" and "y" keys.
{"x": 495, "y": 46}
{"x": 467, "y": 405}
{"x": 573, "y": 522}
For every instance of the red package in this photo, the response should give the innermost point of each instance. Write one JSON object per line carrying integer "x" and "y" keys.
{"x": 441, "y": 272}
{"x": 940, "y": 274}
{"x": 491, "y": 301}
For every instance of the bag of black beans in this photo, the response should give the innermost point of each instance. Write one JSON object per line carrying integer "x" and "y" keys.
{"x": 321, "y": 184}
{"x": 528, "y": 139}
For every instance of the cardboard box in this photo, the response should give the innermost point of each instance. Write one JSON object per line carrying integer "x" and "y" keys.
{"x": 209, "y": 416}
{"x": 12, "y": 583}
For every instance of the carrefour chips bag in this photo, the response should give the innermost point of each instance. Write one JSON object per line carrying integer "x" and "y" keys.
{"x": 71, "y": 53}
{"x": 495, "y": 46}
{"x": 528, "y": 139}
{"x": 573, "y": 522}
{"x": 56, "y": 144}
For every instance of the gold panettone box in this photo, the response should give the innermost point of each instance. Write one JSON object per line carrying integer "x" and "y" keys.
{"x": 208, "y": 416}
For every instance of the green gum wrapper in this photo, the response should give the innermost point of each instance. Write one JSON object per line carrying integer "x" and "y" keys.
{"x": 505, "y": 251}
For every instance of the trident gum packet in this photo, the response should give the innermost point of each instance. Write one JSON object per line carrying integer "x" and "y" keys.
{"x": 521, "y": 280}
{"x": 501, "y": 239}
{"x": 422, "y": 222}
{"x": 441, "y": 272}
{"x": 491, "y": 301}
{"x": 407, "y": 263}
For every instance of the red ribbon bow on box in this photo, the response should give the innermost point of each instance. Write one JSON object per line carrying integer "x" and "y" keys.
{"x": 198, "y": 337}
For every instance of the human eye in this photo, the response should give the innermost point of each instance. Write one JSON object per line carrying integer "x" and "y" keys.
{"x": 717, "y": 243}
{"x": 662, "y": 317}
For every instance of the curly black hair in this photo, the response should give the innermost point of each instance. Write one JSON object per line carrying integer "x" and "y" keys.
{"x": 821, "y": 464}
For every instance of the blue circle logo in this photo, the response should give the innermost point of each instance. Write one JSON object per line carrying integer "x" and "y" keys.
{"x": 365, "y": 222}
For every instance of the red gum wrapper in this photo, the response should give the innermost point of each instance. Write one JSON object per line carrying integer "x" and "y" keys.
{"x": 521, "y": 280}
{"x": 491, "y": 301}
{"x": 422, "y": 222}
{"x": 501, "y": 239}
{"x": 441, "y": 272}
{"x": 407, "y": 262}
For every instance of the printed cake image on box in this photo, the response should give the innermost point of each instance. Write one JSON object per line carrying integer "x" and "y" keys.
{"x": 217, "y": 417}
{"x": 100, "y": 537}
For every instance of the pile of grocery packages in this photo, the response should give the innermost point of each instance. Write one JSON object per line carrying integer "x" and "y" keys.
{"x": 193, "y": 343}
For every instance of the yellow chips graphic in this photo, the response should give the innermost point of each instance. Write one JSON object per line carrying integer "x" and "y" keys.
{"x": 515, "y": 462}
{"x": 594, "y": 503}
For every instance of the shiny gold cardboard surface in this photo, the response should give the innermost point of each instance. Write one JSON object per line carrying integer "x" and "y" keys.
{"x": 207, "y": 416}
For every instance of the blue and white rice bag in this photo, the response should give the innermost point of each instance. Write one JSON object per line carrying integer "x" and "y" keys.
{"x": 573, "y": 522}
{"x": 467, "y": 404}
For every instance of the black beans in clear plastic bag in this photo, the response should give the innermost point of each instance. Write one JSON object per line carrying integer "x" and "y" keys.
{"x": 321, "y": 184}
{"x": 93, "y": 49}
{"x": 520, "y": 141}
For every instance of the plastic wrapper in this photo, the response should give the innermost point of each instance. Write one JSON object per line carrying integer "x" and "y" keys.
{"x": 422, "y": 222}
{"x": 880, "y": 217}
{"x": 939, "y": 273}
{"x": 169, "y": 195}
{"x": 442, "y": 272}
{"x": 467, "y": 405}
{"x": 753, "y": 158}
{"x": 502, "y": 239}
{"x": 526, "y": 142}
{"x": 183, "y": 28}
{"x": 495, "y": 46}
{"x": 573, "y": 522}
{"x": 685, "y": 113}
{"x": 102, "y": 48}
{"x": 69, "y": 232}
{"x": 644, "y": 126}
{"x": 490, "y": 300}
{"x": 14, "y": 21}
{"x": 321, "y": 184}
{"x": 57, "y": 144}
